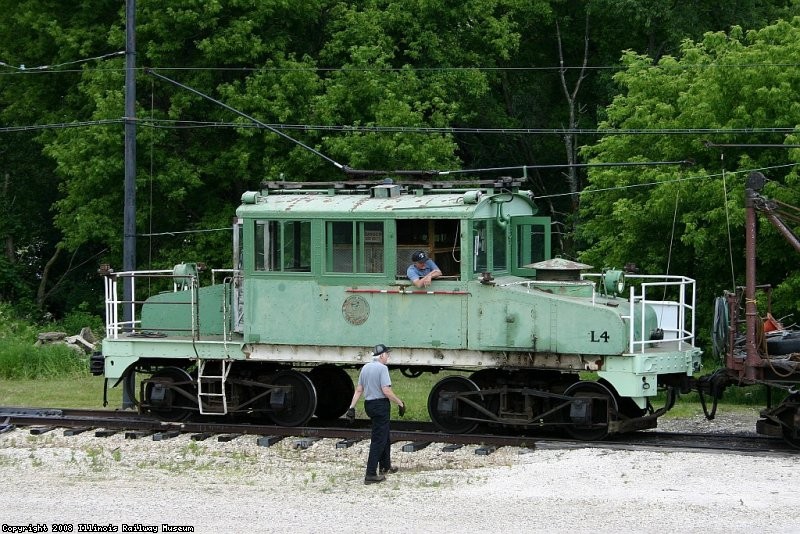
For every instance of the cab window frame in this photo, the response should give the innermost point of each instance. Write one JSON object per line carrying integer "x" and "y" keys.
{"x": 282, "y": 246}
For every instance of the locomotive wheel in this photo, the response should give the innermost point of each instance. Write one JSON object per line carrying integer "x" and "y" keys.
{"x": 170, "y": 394}
{"x": 334, "y": 390}
{"x": 449, "y": 413}
{"x": 487, "y": 378}
{"x": 294, "y": 400}
{"x": 603, "y": 409}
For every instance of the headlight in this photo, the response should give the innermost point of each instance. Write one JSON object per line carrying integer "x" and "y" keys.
{"x": 614, "y": 282}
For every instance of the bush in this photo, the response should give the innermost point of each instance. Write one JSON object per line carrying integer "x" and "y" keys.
{"x": 73, "y": 322}
{"x": 11, "y": 327}
{"x": 22, "y": 359}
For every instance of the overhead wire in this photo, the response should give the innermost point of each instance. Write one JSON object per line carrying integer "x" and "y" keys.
{"x": 57, "y": 68}
{"x": 23, "y": 68}
{"x": 189, "y": 124}
{"x": 277, "y": 128}
{"x": 589, "y": 191}
{"x": 407, "y": 68}
{"x": 248, "y": 117}
{"x": 176, "y": 124}
{"x": 60, "y": 125}
{"x": 585, "y": 191}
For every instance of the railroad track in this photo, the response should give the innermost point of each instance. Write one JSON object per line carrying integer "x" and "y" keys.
{"x": 416, "y": 435}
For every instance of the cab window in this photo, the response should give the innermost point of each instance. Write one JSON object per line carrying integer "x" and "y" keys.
{"x": 490, "y": 248}
{"x": 354, "y": 247}
{"x": 283, "y": 246}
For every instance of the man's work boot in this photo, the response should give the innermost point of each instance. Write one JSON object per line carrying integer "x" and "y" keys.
{"x": 374, "y": 479}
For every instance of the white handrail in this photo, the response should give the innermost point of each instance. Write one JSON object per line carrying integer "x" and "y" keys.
{"x": 113, "y": 303}
{"x": 684, "y": 307}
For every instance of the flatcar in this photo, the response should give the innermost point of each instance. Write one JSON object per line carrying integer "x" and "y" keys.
{"x": 759, "y": 350}
{"x": 318, "y": 277}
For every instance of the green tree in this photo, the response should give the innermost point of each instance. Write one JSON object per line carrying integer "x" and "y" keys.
{"x": 40, "y": 42}
{"x": 320, "y": 63}
{"x": 727, "y": 89}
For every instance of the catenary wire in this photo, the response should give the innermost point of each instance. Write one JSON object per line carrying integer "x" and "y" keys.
{"x": 22, "y": 69}
{"x": 172, "y": 124}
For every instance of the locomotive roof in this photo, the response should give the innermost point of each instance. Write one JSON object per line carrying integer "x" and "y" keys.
{"x": 475, "y": 203}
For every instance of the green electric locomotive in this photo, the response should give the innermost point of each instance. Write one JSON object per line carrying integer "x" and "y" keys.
{"x": 319, "y": 277}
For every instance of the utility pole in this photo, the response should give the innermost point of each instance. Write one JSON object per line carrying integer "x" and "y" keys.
{"x": 129, "y": 213}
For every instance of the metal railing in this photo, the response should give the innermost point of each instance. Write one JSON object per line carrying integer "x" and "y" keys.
{"x": 676, "y": 318}
{"x": 232, "y": 300}
{"x": 673, "y": 315}
{"x": 115, "y": 306}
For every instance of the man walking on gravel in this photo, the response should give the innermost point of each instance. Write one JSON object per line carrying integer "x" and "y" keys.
{"x": 375, "y": 384}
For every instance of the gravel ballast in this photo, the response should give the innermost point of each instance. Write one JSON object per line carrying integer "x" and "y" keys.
{"x": 95, "y": 483}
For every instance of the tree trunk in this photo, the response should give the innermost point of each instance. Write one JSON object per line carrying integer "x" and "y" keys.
{"x": 8, "y": 240}
{"x": 41, "y": 292}
{"x": 570, "y": 138}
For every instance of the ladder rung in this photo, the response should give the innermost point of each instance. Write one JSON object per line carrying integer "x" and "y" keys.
{"x": 212, "y": 380}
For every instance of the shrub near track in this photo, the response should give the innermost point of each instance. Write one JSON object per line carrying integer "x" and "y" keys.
{"x": 20, "y": 358}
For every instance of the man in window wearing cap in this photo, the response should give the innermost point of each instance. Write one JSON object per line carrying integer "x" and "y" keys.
{"x": 422, "y": 269}
{"x": 375, "y": 384}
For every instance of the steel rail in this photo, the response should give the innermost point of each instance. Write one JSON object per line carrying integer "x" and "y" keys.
{"x": 39, "y": 419}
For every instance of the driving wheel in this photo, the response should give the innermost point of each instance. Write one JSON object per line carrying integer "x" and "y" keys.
{"x": 169, "y": 394}
{"x": 334, "y": 390}
{"x": 448, "y": 405}
{"x": 596, "y": 406}
{"x": 293, "y": 398}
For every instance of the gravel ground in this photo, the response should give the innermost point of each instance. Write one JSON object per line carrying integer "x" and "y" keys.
{"x": 241, "y": 487}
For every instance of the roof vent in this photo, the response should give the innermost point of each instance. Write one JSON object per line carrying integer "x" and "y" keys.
{"x": 386, "y": 191}
{"x": 558, "y": 269}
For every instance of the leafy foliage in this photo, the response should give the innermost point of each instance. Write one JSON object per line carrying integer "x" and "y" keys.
{"x": 21, "y": 358}
{"x": 691, "y": 220}
{"x": 26, "y": 361}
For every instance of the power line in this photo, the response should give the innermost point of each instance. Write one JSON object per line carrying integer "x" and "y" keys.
{"x": 571, "y": 165}
{"x": 461, "y": 129}
{"x": 589, "y": 191}
{"x": 487, "y": 69}
{"x": 61, "y": 125}
{"x": 187, "y": 124}
{"x": 179, "y": 232}
{"x": 23, "y": 68}
{"x": 175, "y": 233}
{"x": 709, "y": 144}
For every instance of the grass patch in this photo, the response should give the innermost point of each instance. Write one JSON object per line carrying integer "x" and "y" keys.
{"x": 21, "y": 359}
{"x": 73, "y": 392}
{"x": 86, "y": 391}
{"x": 734, "y": 399}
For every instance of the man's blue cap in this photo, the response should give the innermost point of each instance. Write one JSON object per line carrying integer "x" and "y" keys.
{"x": 380, "y": 349}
